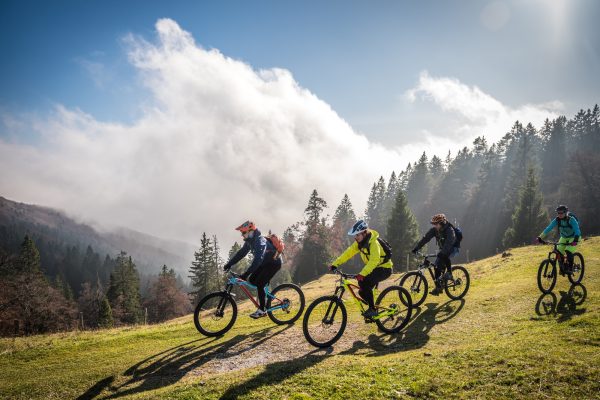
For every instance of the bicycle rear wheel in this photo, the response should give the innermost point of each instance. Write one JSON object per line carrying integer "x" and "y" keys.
{"x": 417, "y": 286}
{"x": 578, "y": 268}
{"x": 215, "y": 314}
{"x": 458, "y": 287}
{"x": 324, "y": 321}
{"x": 291, "y": 300}
{"x": 396, "y": 305}
{"x": 546, "y": 277}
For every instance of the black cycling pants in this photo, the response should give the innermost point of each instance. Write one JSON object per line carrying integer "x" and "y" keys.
{"x": 442, "y": 263}
{"x": 263, "y": 275}
{"x": 370, "y": 281}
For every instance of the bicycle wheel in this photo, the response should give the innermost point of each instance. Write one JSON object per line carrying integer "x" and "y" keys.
{"x": 458, "y": 287}
{"x": 417, "y": 286}
{"x": 215, "y": 314}
{"x": 546, "y": 277}
{"x": 577, "y": 269}
{"x": 324, "y": 321}
{"x": 396, "y": 301}
{"x": 291, "y": 298}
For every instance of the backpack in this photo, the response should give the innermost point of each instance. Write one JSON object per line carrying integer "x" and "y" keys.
{"x": 277, "y": 243}
{"x": 459, "y": 235}
{"x": 569, "y": 216}
{"x": 387, "y": 249}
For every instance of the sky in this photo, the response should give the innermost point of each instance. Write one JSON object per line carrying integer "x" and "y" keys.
{"x": 180, "y": 117}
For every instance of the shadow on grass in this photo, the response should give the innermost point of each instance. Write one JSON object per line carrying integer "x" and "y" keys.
{"x": 169, "y": 366}
{"x": 564, "y": 308}
{"x": 415, "y": 335}
{"x": 276, "y": 373}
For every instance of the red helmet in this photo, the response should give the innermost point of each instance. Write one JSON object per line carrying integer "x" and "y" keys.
{"x": 246, "y": 227}
{"x": 438, "y": 219}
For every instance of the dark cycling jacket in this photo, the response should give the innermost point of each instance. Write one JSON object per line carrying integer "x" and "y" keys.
{"x": 445, "y": 238}
{"x": 259, "y": 246}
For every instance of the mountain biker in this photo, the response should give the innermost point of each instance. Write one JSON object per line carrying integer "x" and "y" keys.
{"x": 265, "y": 264}
{"x": 568, "y": 228}
{"x": 445, "y": 236}
{"x": 378, "y": 266}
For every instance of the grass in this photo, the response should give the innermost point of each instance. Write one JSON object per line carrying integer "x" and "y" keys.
{"x": 491, "y": 345}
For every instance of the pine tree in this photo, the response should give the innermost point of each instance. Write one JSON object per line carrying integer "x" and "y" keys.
{"x": 402, "y": 230}
{"x": 124, "y": 291}
{"x": 374, "y": 214}
{"x": 203, "y": 272}
{"x": 343, "y": 218}
{"x": 105, "y": 316}
{"x": 418, "y": 188}
{"x": 315, "y": 252}
{"x": 29, "y": 257}
{"x": 529, "y": 217}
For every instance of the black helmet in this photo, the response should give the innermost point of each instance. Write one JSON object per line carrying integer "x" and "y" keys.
{"x": 562, "y": 208}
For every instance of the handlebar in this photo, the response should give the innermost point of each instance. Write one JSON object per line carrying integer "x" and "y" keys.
{"x": 343, "y": 275}
{"x": 418, "y": 253}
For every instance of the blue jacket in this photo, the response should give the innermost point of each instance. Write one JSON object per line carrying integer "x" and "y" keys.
{"x": 259, "y": 246}
{"x": 568, "y": 227}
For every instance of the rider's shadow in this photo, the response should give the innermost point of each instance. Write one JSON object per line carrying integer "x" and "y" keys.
{"x": 415, "y": 335}
{"x": 169, "y": 366}
{"x": 564, "y": 308}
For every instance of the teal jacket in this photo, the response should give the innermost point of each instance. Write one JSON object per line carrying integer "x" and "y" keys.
{"x": 568, "y": 227}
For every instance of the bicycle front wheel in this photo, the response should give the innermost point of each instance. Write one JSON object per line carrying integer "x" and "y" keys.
{"x": 325, "y": 321}
{"x": 290, "y": 299}
{"x": 395, "y": 308}
{"x": 546, "y": 277}
{"x": 577, "y": 269}
{"x": 215, "y": 314}
{"x": 417, "y": 286}
{"x": 458, "y": 286}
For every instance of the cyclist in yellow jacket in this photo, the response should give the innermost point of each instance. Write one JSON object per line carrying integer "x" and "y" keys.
{"x": 378, "y": 263}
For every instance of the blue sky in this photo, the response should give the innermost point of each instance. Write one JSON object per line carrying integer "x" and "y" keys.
{"x": 360, "y": 57}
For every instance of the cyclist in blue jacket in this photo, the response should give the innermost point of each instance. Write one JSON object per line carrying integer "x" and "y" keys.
{"x": 265, "y": 263}
{"x": 568, "y": 228}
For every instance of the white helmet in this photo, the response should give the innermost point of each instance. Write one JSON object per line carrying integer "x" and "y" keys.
{"x": 358, "y": 227}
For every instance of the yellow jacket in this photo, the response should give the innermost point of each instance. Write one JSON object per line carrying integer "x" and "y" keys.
{"x": 373, "y": 257}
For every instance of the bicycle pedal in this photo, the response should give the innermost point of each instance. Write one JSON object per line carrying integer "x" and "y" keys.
{"x": 369, "y": 321}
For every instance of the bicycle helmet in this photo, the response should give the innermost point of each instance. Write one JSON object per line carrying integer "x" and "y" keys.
{"x": 358, "y": 227}
{"x": 246, "y": 227}
{"x": 562, "y": 208}
{"x": 438, "y": 219}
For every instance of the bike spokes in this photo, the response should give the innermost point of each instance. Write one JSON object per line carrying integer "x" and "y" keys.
{"x": 215, "y": 313}
{"x": 287, "y": 304}
{"x": 394, "y": 308}
{"x": 324, "y": 321}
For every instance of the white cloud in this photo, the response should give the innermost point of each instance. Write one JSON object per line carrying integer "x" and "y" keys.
{"x": 474, "y": 111}
{"x": 219, "y": 142}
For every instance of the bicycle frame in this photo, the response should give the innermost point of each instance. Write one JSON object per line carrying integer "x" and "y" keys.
{"x": 244, "y": 285}
{"x": 428, "y": 265}
{"x": 345, "y": 284}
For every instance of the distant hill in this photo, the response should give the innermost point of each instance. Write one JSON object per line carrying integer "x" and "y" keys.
{"x": 56, "y": 235}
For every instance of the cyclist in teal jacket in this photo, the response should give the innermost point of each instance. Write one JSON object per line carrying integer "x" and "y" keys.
{"x": 568, "y": 227}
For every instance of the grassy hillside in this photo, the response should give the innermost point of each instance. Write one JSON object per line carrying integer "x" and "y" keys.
{"x": 493, "y": 344}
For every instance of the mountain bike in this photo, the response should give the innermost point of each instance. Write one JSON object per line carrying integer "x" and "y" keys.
{"x": 216, "y": 312}
{"x": 326, "y": 318}
{"x": 456, "y": 285}
{"x": 547, "y": 272}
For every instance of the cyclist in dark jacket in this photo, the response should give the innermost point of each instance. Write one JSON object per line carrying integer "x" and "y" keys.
{"x": 444, "y": 234}
{"x": 265, "y": 263}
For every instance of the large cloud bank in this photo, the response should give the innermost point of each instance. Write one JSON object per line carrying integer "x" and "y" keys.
{"x": 218, "y": 142}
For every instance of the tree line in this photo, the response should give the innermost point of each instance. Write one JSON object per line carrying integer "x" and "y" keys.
{"x": 31, "y": 302}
